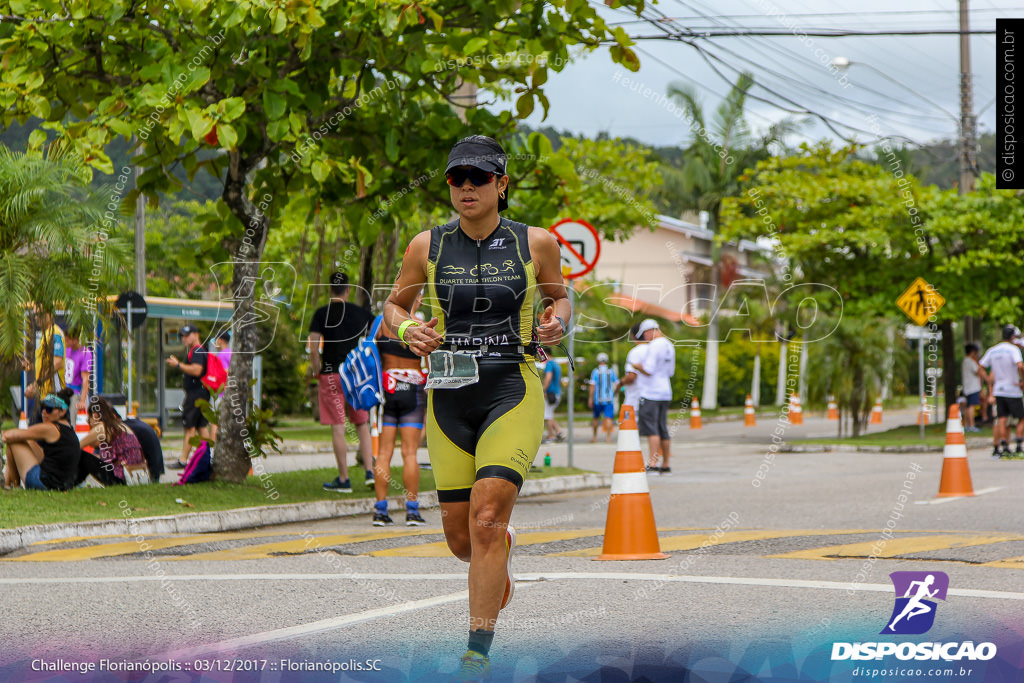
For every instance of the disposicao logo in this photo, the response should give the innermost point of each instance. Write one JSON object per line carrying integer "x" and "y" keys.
{"x": 916, "y": 592}
{"x": 914, "y": 614}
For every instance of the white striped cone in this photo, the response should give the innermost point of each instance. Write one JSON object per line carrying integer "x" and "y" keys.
{"x": 630, "y": 531}
{"x": 749, "y": 417}
{"x": 956, "y": 475}
{"x": 876, "y": 412}
{"x": 695, "y": 420}
{"x": 796, "y": 411}
{"x": 833, "y": 408}
{"x": 23, "y": 421}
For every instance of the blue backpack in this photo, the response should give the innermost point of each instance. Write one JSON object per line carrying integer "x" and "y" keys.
{"x": 361, "y": 372}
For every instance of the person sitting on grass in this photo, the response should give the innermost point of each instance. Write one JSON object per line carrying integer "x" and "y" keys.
{"x": 115, "y": 445}
{"x": 45, "y": 456}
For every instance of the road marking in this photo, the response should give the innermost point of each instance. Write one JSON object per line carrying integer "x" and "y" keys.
{"x": 1008, "y": 563}
{"x": 131, "y": 547}
{"x": 298, "y": 546}
{"x": 441, "y": 549}
{"x": 939, "y": 501}
{"x": 693, "y": 541}
{"x": 896, "y": 546}
{"x": 235, "y": 644}
{"x": 526, "y": 577}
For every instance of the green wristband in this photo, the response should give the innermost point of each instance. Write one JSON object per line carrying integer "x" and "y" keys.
{"x": 405, "y": 326}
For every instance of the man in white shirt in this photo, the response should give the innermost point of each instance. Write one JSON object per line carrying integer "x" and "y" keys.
{"x": 971, "y": 377}
{"x": 630, "y": 380}
{"x": 1005, "y": 380}
{"x": 654, "y": 372}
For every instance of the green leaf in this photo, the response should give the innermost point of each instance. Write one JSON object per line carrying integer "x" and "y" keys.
{"x": 199, "y": 124}
{"x": 475, "y": 45}
{"x": 279, "y": 20}
{"x": 274, "y": 104}
{"x": 226, "y": 136}
{"x": 320, "y": 170}
{"x": 277, "y": 130}
{"x": 36, "y": 138}
{"x": 524, "y": 105}
{"x": 391, "y": 145}
{"x": 231, "y": 108}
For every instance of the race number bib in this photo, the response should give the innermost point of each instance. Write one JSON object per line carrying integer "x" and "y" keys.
{"x": 450, "y": 370}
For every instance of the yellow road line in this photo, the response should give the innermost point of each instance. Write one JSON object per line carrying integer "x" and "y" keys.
{"x": 256, "y": 552}
{"x": 1008, "y": 563}
{"x": 128, "y": 547}
{"x": 898, "y": 546}
{"x": 441, "y": 549}
{"x": 693, "y": 541}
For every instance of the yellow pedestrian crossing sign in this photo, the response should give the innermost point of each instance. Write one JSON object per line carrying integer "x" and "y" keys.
{"x": 920, "y": 301}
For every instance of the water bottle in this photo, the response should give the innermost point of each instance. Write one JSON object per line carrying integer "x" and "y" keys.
{"x": 547, "y": 460}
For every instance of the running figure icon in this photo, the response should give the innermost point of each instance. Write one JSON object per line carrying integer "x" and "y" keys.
{"x": 915, "y": 606}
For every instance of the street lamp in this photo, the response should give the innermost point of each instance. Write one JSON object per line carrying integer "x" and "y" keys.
{"x": 844, "y": 63}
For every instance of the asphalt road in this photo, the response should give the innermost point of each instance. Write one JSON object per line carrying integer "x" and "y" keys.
{"x": 787, "y": 575}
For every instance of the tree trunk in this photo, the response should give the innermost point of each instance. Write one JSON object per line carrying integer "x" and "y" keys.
{"x": 234, "y": 445}
{"x": 856, "y": 399}
{"x": 366, "y": 276}
{"x": 948, "y": 365}
{"x": 709, "y": 397}
{"x": 780, "y": 385}
{"x": 755, "y": 384}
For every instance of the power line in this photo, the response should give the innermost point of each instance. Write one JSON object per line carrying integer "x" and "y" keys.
{"x": 801, "y": 15}
{"x": 813, "y": 33}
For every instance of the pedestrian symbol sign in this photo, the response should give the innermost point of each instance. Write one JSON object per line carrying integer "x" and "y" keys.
{"x": 920, "y": 301}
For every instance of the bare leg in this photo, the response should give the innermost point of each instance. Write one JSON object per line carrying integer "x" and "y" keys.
{"x": 455, "y": 522}
{"x": 654, "y": 448}
{"x": 23, "y": 458}
{"x": 340, "y": 449}
{"x": 382, "y": 470}
{"x": 366, "y": 445}
{"x": 666, "y": 451}
{"x": 410, "y": 468}
{"x": 594, "y": 423}
{"x": 186, "y": 447}
{"x": 609, "y": 428}
{"x": 490, "y": 507}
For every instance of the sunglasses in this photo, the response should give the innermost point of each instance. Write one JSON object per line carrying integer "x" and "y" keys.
{"x": 458, "y": 176}
{"x": 47, "y": 408}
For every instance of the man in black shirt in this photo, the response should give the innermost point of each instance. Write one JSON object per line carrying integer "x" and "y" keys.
{"x": 194, "y": 368}
{"x": 339, "y": 325}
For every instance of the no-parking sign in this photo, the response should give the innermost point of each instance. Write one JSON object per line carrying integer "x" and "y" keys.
{"x": 580, "y": 245}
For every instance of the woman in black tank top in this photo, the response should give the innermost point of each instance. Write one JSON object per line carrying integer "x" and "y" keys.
{"x": 44, "y": 456}
{"x": 481, "y": 275}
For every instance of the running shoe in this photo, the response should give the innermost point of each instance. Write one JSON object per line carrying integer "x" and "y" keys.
{"x": 560, "y": 438}
{"x": 369, "y": 480}
{"x": 510, "y": 580}
{"x": 177, "y": 465}
{"x": 382, "y": 519}
{"x": 338, "y": 485}
{"x": 474, "y": 667}
{"x": 666, "y": 471}
{"x": 412, "y": 518}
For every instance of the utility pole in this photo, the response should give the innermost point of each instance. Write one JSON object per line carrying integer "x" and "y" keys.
{"x": 968, "y": 123}
{"x": 140, "y": 238}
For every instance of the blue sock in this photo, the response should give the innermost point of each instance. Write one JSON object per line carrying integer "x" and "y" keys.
{"x": 381, "y": 505}
{"x": 412, "y": 506}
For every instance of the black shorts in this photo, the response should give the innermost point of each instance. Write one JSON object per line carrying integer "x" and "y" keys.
{"x": 191, "y": 415}
{"x": 405, "y": 407}
{"x": 652, "y": 418}
{"x": 1009, "y": 407}
{"x": 490, "y": 429}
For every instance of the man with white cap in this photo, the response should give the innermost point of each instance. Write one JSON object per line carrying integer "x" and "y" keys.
{"x": 653, "y": 375}
{"x": 1005, "y": 380}
{"x": 602, "y": 396}
{"x": 628, "y": 383}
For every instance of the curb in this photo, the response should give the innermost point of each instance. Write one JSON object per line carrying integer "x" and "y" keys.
{"x": 846, "y": 448}
{"x": 245, "y": 518}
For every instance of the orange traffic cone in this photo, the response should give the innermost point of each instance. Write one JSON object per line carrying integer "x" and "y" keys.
{"x": 81, "y": 421}
{"x": 796, "y": 411}
{"x": 876, "y": 412}
{"x": 630, "y": 532}
{"x": 833, "y": 409}
{"x": 695, "y": 421}
{"x": 374, "y": 434}
{"x": 749, "y": 418}
{"x": 956, "y": 475}
{"x": 922, "y": 415}
{"x": 23, "y": 421}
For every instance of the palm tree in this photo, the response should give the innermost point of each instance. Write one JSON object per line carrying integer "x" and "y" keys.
{"x": 852, "y": 364}
{"x": 60, "y": 247}
{"x": 720, "y": 152}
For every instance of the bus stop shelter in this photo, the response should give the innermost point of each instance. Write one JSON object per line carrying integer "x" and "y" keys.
{"x": 157, "y": 387}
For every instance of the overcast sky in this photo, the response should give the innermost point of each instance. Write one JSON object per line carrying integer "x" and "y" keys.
{"x": 586, "y": 97}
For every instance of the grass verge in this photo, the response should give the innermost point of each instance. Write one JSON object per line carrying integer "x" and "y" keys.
{"x": 907, "y": 435}
{"x": 20, "y": 508}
